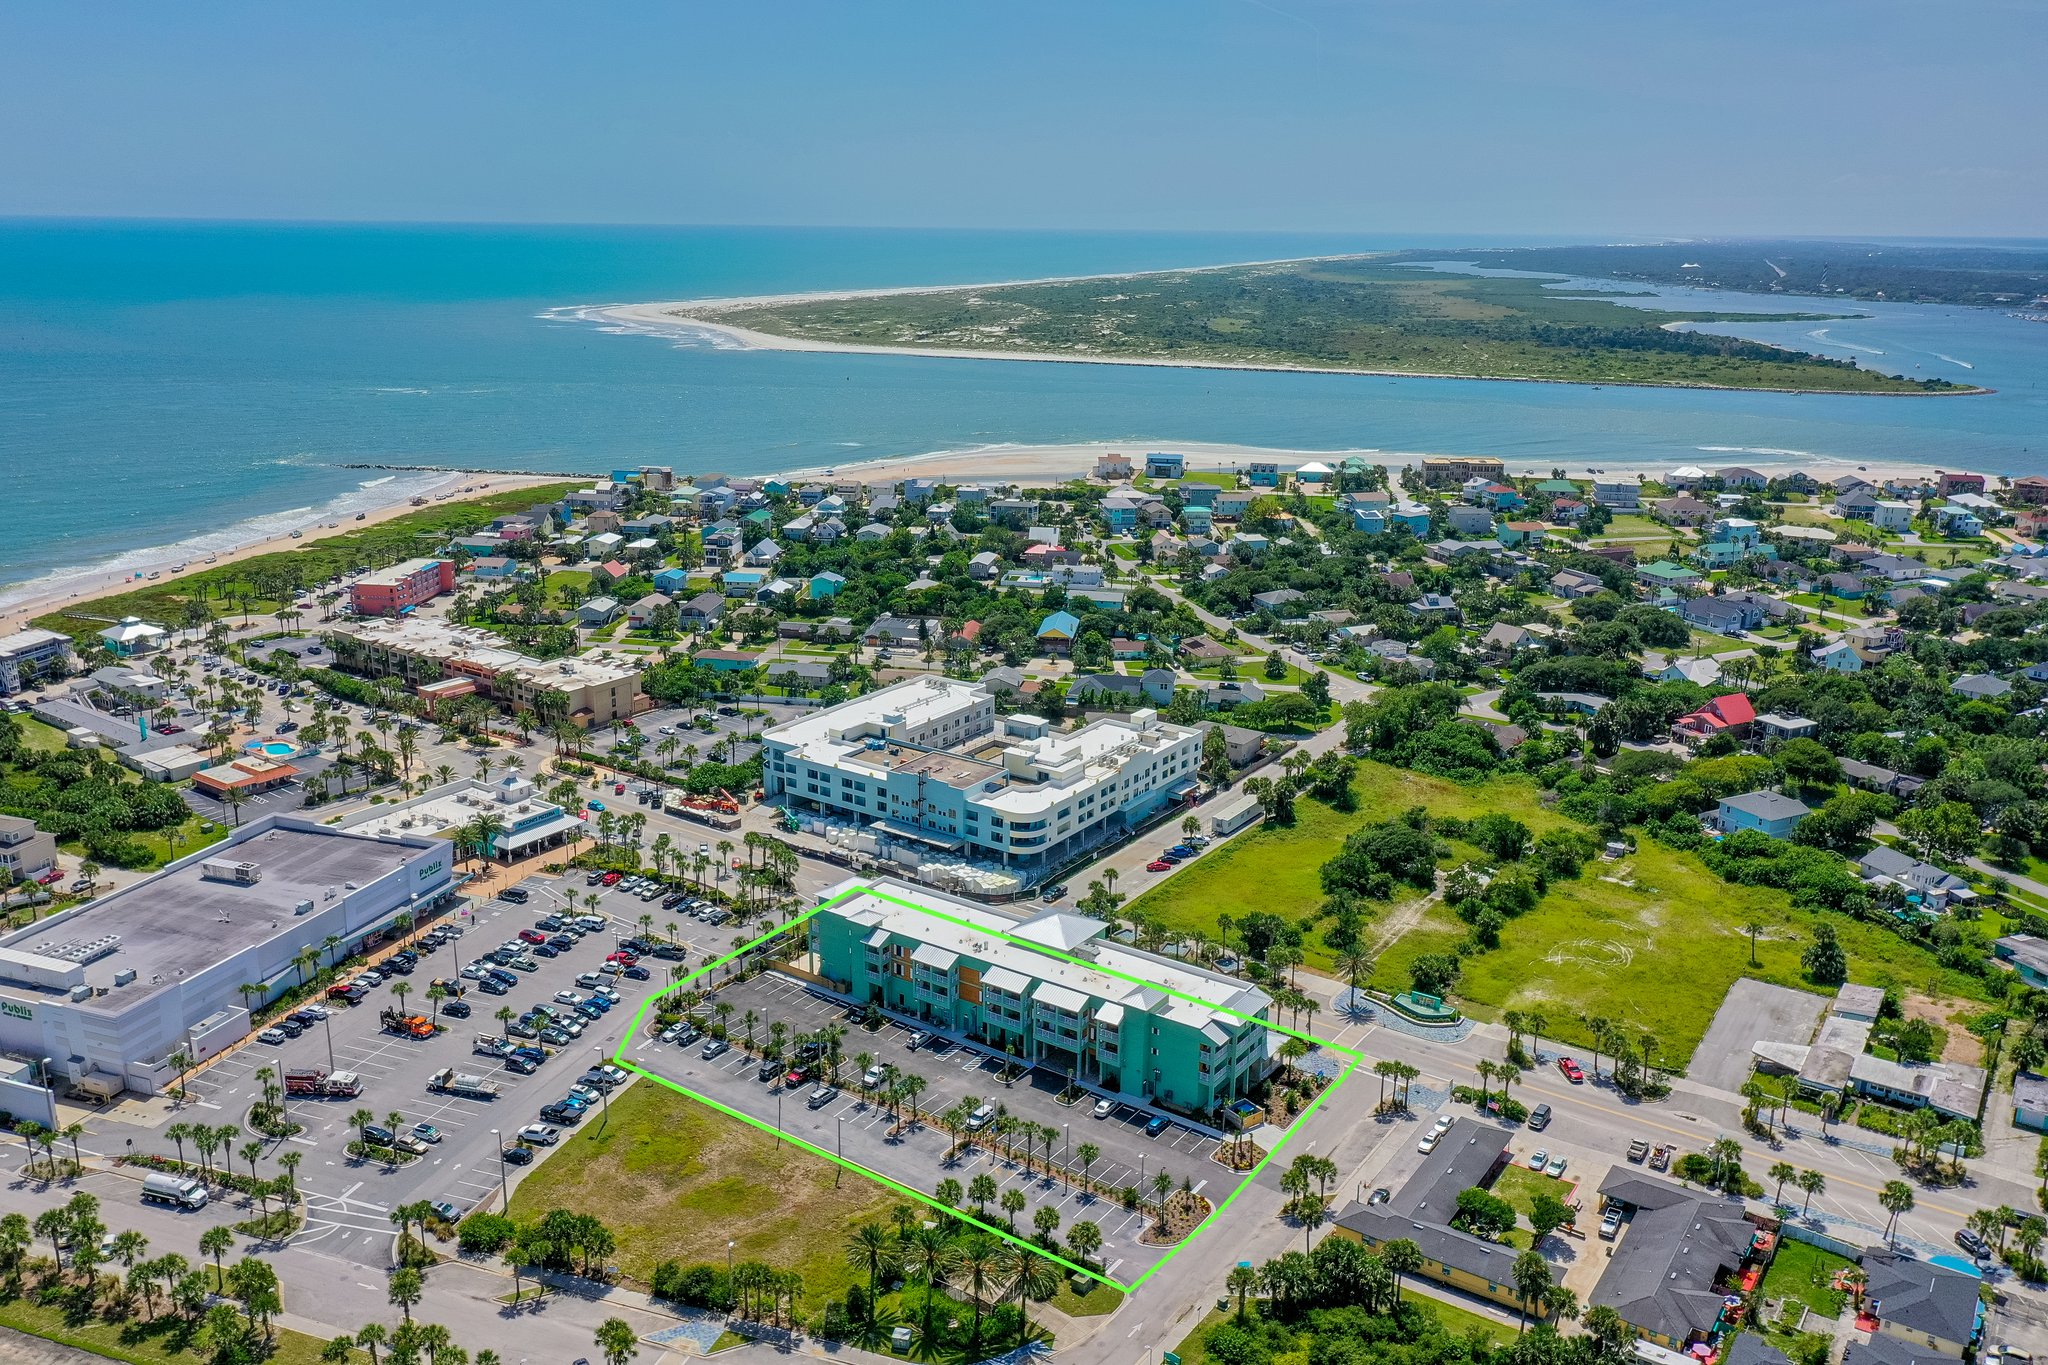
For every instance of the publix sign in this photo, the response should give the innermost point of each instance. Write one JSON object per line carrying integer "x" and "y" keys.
{"x": 430, "y": 870}
{"x": 17, "y": 1010}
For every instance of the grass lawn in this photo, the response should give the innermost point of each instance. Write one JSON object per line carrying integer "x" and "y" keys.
{"x": 1190, "y": 1349}
{"x": 677, "y": 1179}
{"x": 1805, "y": 1273}
{"x": 1656, "y": 956}
{"x": 1099, "y": 1299}
{"x": 1520, "y": 1185}
{"x": 191, "y": 838}
{"x": 1707, "y": 642}
{"x": 1459, "y": 1321}
{"x": 142, "y": 1341}
{"x": 37, "y": 735}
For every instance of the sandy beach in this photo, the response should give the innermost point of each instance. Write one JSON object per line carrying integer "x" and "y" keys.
{"x": 31, "y": 602}
{"x": 1025, "y": 463}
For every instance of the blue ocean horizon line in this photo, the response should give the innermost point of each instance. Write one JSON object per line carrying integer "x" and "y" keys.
{"x": 195, "y": 374}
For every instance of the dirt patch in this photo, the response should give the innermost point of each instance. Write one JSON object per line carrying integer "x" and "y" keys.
{"x": 1961, "y": 1045}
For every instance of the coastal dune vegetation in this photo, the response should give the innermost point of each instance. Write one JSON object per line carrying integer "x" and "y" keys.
{"x": 1356, "y": 313}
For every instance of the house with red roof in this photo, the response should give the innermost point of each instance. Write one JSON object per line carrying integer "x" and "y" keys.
{"x": 1730, "y": 715}
{"x": 611, "y": 571}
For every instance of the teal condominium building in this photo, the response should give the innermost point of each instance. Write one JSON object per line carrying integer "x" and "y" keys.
{"x": 1050, "y": 990}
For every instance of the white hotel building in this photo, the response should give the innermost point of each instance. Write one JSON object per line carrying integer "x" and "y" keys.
{"x": 929, "y": 760}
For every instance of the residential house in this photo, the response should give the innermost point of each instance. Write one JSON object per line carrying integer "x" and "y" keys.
{"x": 26, "y": 852}
{"x": 672, "y": 581}
{"x": 1470, "y": 521}
{"x": 1435, "y": 606}
{"x": 1919, "y": 1302}
{"x": 872, "y": 532}
{"x": 1740, "y": 476}
{"x": 1887, "y": 515}
{"x": 1230, "y": 504}
{"x": 1314, "y": 473}
{"x": 1666, "y": 574}
{"x": 1221, "y": 696}
{"x": 598, "y": 611}
{"x": 1572, "y": 584}
{"x": 1113, "y": 468}
{"x": 1773, "y": 727}
{"x": 27, "y": 656}
{"x": 1858, "y": 504}
{"x": 1958, "y": 523}
{"x": 1934, "y": 888}
{"x": 1503, "y": 641}
{"x": 826, "y": 584}
{"x": 1947, "y": 484}
{"x": 1248, "y": 545}
{"x": 1574, "y": 703}
{"x": 1703, "y": 671}
{"x": 1277, "y": 600}
{"x": 799, "y": 675}
{"x": 1721, "y": 615}
{"x": 1412, "y": 516}
{"x": 1055, "y": 634}
{"x": 1730, "y": 714}
{"x": 1683, "y": 511}
{"x": 1980, "y": 687}
{"x": 1262, "y": 474}
{"x": 1529, "y": 534}
{"x": 726, "y": 660}
{"x": 1012, "y": 512}
{"x": 1843, "y": 657}
{"x": 1197, "y": 519}
{"x": 2026, "y": 955}
{"x": 701, "y": 611}
{"x": 1619, "y": 495}
{"x": 1162, "y": 465}
{"x": 1767, "y": 812}
{"x": 917, "y": 492}
{"x": 1567, "y": 511}
{"x": 642, "y": 611}
{"x": 1153, "y": 687}
{"x": 1871, "y": 777}
{"x": 743, "y": 582}
{"x": 891, "y": 630}
{"x": 495, "y": 569}
{"x": 2029, "y": 490}
{"x": 1195, "y": 493}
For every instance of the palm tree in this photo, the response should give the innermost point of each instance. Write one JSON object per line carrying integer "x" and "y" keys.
{"x": 1400, "y": 1257}
{"x": 1532, "y": 1281}
{"x": 871, "y": 1251}
{"x": 1811, "y": 1183}
{"x": 976, "y": 1264}
{"x": 1781, "y": 1172}
{"x": 929, "y": 1256}
{"x": 617, "y": 1340}
{"x": 1031, "y": 1276}
{"x": 1896, "y": 1199}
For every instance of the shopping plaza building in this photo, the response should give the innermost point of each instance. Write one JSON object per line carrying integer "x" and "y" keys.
{"x": 929, "y": 760}
{"x": 104, "y": 996}
{"x": 1051, "y": 990}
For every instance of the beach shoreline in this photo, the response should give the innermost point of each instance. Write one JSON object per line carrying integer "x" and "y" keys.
{"x": 1007, "y": 462}
{"x": 21, "y": 603}
{"x": 699, "y": 318}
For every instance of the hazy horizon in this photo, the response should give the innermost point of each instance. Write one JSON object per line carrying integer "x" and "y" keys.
{"x": 1828, "y": 120}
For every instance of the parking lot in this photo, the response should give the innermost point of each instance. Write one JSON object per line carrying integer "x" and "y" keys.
{"x": 348, "y": 1199}
{"x": 866, "y": 1133}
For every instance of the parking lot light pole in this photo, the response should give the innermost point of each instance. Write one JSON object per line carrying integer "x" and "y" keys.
{"x": 327, "y": 1026}
{"x": 603, "y": 1093}
{"x": 778, "y": 1117}
{"x": 840, "y": 1170}
{"x": 504, "y": 1191}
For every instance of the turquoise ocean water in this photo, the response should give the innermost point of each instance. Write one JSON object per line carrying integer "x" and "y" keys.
{"x": 197, "y": 384}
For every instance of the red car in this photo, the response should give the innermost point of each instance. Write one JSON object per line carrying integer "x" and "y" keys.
{"x": 612, "y": 878}
{"x": 1571, "y": 1070}
{"x": 1158, "y": 865}
{"x": 618, "y": 789}
{"x": 624, "y": 959}
{"x": 532, "y": 936}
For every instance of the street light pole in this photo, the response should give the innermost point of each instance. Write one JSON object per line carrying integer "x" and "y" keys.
{"x": 841, "y": 1170}
{"x": 728, "y": 1259}
{"x": 327, "y": 1026}
{"x": 504, "y": 1190}
{"x": 604, "y": 1094}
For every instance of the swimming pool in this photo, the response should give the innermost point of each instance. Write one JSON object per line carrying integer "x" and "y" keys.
{"x": 275, "y": 748}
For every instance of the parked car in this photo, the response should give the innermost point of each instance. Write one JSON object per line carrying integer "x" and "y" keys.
{"x": 1572, "y": 1071}
{"x": 1104, "y": 1108}
{"x": 518, "y": 1155}
{"x": 1539, "y": 1117}
{"x": 1610, "y": 1223}
{"x": 274, "y": 1036}
{"x": 1158, "y": 865}
{"x": 1429, "y": 1142}
{"x": 1972, "y": 1243}
{"x": 1159, "y": 1124}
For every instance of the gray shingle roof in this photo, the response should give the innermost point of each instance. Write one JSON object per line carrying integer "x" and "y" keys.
{"x": 1921, "y": 1295}
{"x": 1678, "y": 1244}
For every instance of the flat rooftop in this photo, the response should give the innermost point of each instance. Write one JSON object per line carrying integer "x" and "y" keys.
{"x": 179, "y": 923}
{"x": 1100, "y": 969}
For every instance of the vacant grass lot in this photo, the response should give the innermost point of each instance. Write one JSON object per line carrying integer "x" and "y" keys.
{"x": 158, "y": 1341}
{"x": 1805, "y": 1274}
{"x": 675, "y": 1179}
{"x": 1652, "y": 942}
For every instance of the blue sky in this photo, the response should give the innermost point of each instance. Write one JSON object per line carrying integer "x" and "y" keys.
{"x": 1602, "y": 118}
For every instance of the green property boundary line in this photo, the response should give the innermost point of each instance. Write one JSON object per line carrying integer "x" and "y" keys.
{"x": 1352, "y": 1059}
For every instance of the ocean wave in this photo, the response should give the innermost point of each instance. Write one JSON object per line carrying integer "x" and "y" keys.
{"x": 369, "y": 496}
{"x": 685, "y": 336}
{"x": 1779, "y": 451}
{"x": 418, "y": 393}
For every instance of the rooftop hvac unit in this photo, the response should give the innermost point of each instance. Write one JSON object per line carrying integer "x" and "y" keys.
{"x": 304, "y": 907}
{"x": 81, "y": 992}
{"x": 125, "y": 977}
{"x": 231, "y": 870}
{"x": 91, "y": 950}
